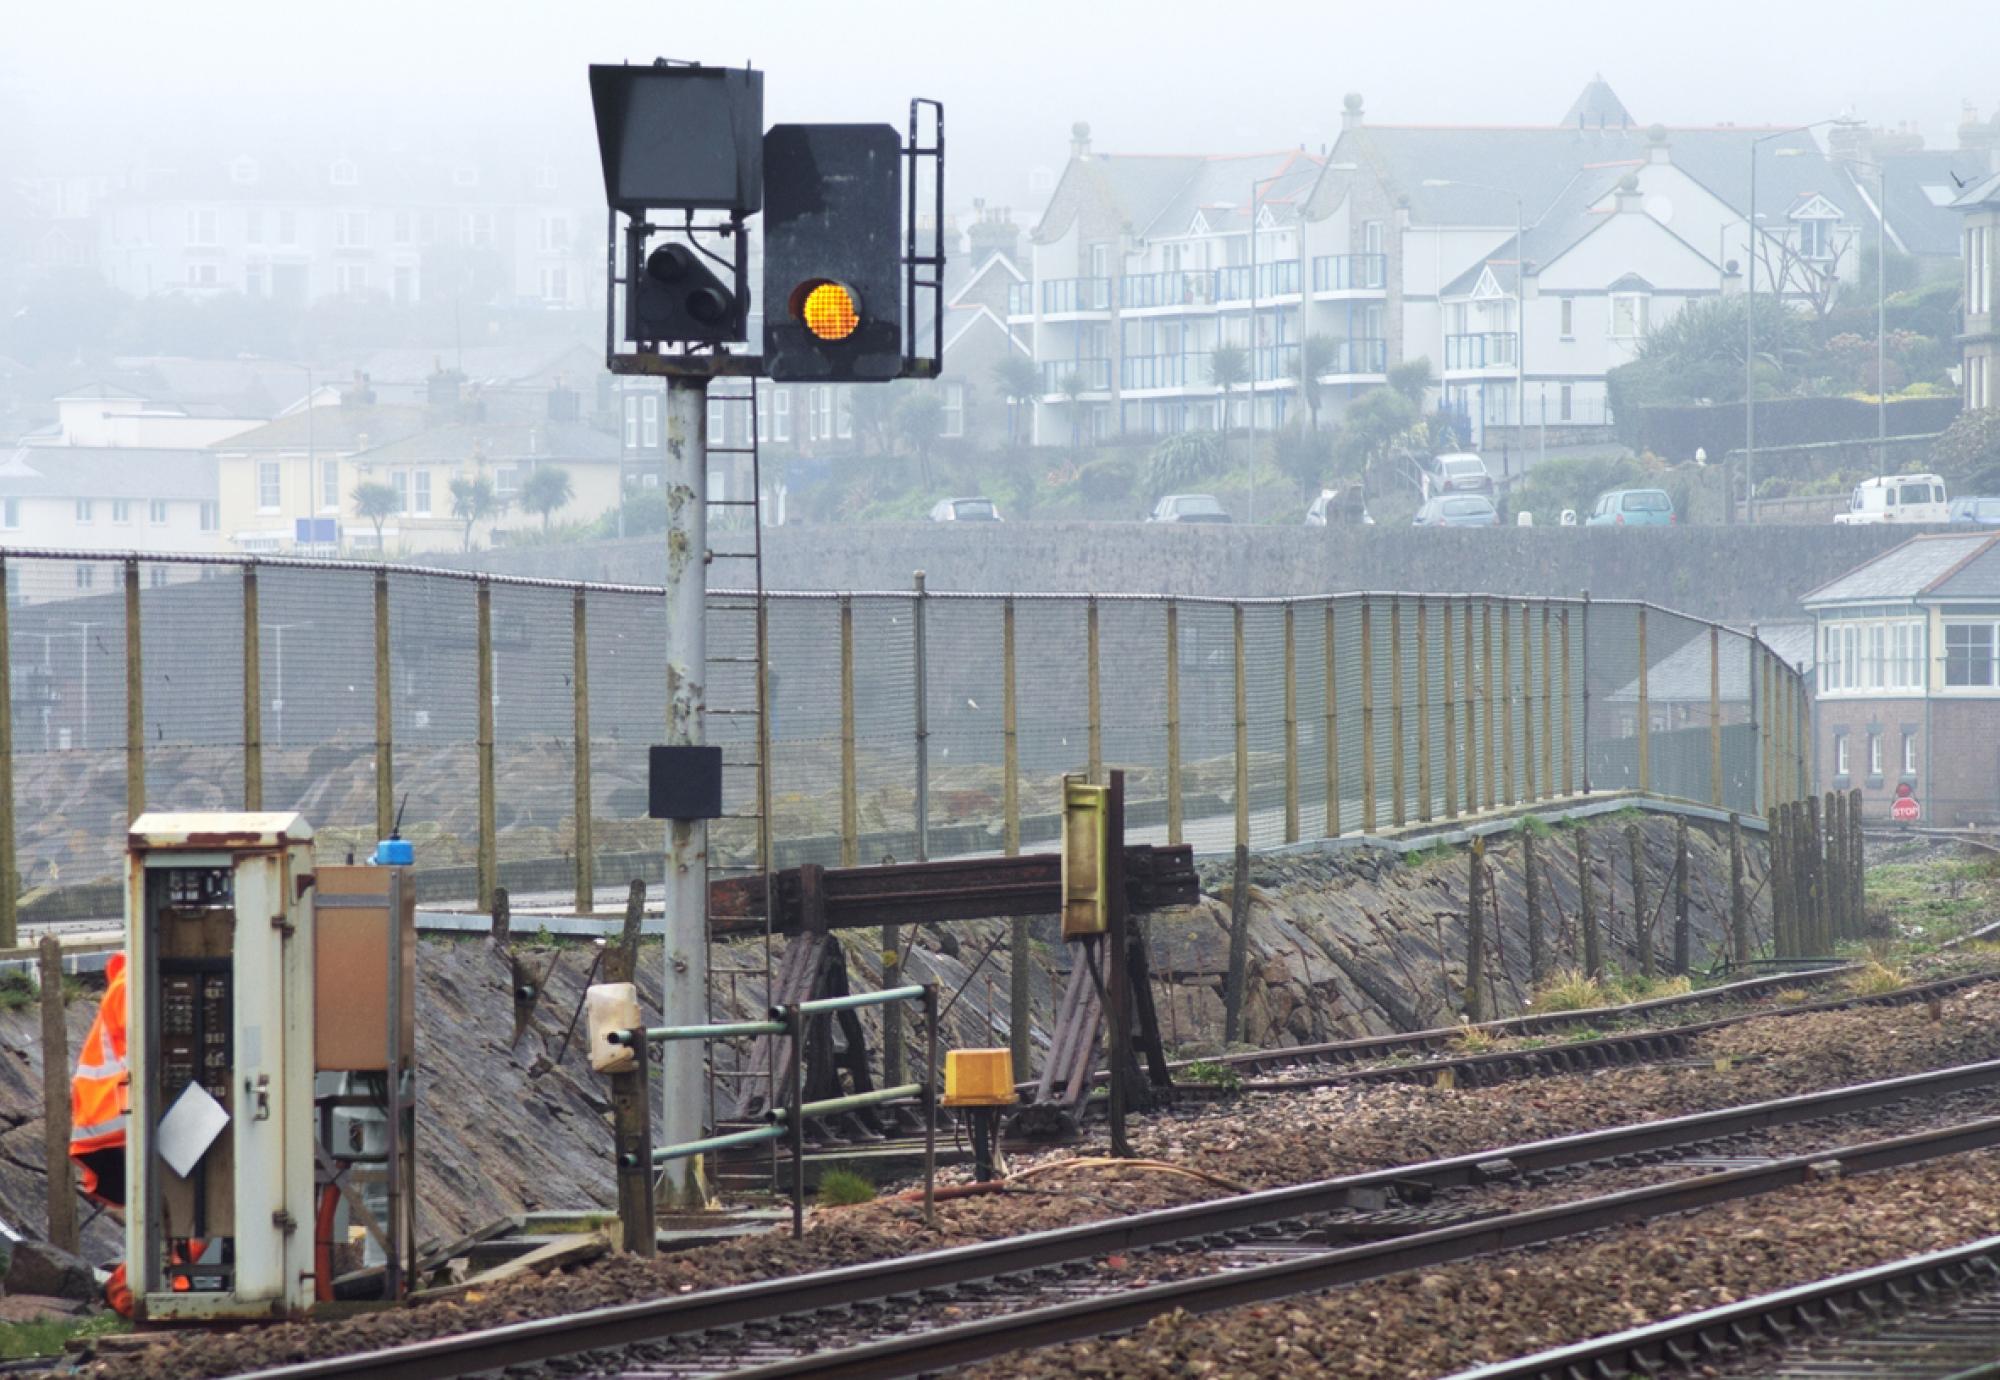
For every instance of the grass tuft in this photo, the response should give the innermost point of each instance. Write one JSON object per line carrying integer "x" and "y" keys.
{"x": 1791, "y": 996}
{"x": 1213, "y": 1075}
{"x": 1472, "y": 1040}
{"x": 844, "y": 1188}
{"x": 1568, "y": 990}
{"x": 1876, "y": 977}
{"x": 17, "y": 992}
{"x": 19, "y": 1341}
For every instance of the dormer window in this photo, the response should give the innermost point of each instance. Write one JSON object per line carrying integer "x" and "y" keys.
{"x": 243, "y": 171}
{"x": 465, "y": 175}
{"x": 545, "y": 178}
{"x": 1816, "y": 220}
{"x": 343, "y": 173}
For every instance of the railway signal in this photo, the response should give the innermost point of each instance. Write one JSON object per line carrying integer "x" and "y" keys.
{"x": 833, "y": 252}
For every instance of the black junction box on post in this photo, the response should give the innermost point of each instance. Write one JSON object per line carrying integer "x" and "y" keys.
{"x": 684, "y": 782}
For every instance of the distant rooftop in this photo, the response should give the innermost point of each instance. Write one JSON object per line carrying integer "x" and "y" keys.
{"x": 1933, "y": 566}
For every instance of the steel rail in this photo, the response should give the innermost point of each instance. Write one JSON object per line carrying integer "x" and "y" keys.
{"x": 1123, "y": 1312}
{"x": 1692, "y": 1338}
{"x": 735, "y": 1305}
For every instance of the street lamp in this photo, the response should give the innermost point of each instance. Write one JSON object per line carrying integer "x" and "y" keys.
{"x": 1881, "y": 172}
{"x": 83, "y": 628}
{"x": 278, "y": 663}
{"x": 1750, "y": 313}
{"x": 1520, "y": 306}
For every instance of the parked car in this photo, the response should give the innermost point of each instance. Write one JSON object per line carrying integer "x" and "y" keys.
{"x": 1458, "y": 510}
{"x": 1632, "y": 508}
{"x": 1896, "y": 498}
{"x": 1462, "y": 473}
{"x": 965, "y": 510}
{"x": 1188, "y": 508}
{"x": 1975, "y": 512}
{"x": 1342, "y": 508}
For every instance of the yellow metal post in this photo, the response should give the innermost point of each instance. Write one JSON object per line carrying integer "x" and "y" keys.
{"x": 385, "y": 773}
{"x": 1291, "y": 729}
{"x": 1242, "y": 740}
{"x": 1010, "y": 771}
{"x": 1092, "y": 691}
{"x": 9, "y": 889}
{"x": 1507, "y": 743}
{"x": 1529, "y": 781}
{"x": 1645, "y": 713}
{"x": 135, "y": 699}
{"x": 253, "y": 694}
{"x": 1173, "y": 722}
{"x": 1470, "y": 686}
{"x": 1548, "y": 711}
{"x": 1367, "y": 717}
{"x": 1398, "y": 814}
{"x": 1331, "y": 699}
{"x": 1715, "y": 715}
{"x": 1569, "y": 735}
{"x": 850, "y": 810}
{"x": 1450, "y": 718}
{"x": 489, "y": 848}
{"x": 1491, "y": 716}
{"x": 1424, "y": 811}
{"x": 586, "y": 843}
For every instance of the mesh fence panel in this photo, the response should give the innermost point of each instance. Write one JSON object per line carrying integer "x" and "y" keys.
{"x": 1509, "y": 702}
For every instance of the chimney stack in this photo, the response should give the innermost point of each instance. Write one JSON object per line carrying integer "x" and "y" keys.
{"x": 993, "y": 232}
{"x": 1350, "y": 111}
{"x": 1657, "y": 148}
{"x": 1628, "y": 198}
{"x": 1079, "y": 140}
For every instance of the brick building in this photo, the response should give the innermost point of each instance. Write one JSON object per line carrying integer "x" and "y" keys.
{"x": 1909, "y": 678}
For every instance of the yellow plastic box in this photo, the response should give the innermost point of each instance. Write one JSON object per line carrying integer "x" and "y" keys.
{"x": 978, "y": 1078}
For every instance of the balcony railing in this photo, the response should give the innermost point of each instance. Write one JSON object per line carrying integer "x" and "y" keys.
{"x": 1233, "y": 284}
{"x": 1176, "y": 288}
{"x": 1020, "y": 299}
{"x": 1276, "y": 362}
{"x": 1359, "y": 355}
{"x": 1350, "y": 272}
{"x": 1094, "y": 373}
{"x": 1481, "y": 350}
{"x": 1152, "y": 371}
{"x": 1075, "y": 294}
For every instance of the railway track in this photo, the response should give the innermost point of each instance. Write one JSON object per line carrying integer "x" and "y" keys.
{"x": 1930, "y": 1317}
{"x": 877, "y": 1319}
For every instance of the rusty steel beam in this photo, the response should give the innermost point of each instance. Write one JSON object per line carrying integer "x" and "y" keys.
{"x": 959, "y": 889}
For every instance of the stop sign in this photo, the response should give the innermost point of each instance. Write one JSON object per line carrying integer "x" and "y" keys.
{"x": 1904, "y": 809}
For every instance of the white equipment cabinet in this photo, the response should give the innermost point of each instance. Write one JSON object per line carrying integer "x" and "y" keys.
{"x": 219, "y": 936}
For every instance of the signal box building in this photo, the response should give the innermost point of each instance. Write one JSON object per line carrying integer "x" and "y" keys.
{"x": 1909, "y": 679}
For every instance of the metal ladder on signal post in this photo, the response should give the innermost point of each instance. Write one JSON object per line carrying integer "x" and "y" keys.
{"x": 738, "y": 669}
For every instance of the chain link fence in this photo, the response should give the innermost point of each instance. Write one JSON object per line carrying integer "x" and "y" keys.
{"x": 504, "y": 722}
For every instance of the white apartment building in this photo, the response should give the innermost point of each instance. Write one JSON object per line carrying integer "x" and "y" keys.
{"x": 1400, "y": 242}
{"x": 110, "y": 499}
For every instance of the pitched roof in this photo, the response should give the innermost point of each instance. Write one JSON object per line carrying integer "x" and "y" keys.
{"x": 1950, "y": 565}
{"x": 1921, "y": 189}
{"x": 1681, "y": 676}
{"x": 107, "y": 472}
{"x": 1980, "y": 196}
{"x": 333, "y": 429}
{"x": 1220, "y": 187}
{"x": 1597, "y": 104}
{"x": 1566, "y": 222}
{"x": 498, "y": 443}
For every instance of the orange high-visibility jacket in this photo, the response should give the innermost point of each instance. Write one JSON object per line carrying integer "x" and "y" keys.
{"x": 100, "y": 1094}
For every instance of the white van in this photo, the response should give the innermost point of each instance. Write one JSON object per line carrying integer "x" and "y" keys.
{"x": 1897, "y": 498}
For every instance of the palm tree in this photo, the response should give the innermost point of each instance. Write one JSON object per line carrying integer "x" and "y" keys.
{"x": 546, "y": 490}
{"x": 1182, "y": 460}
{"x": 1228, "y": 366}
{"x": 1070, "y": 385}
{"x": 375, "y": 501}
{"x": 473, "y": 501}
{"x": 1319, "y": 352}
{"x": 919, "y": 422}
{"x": 1019, "y": 382}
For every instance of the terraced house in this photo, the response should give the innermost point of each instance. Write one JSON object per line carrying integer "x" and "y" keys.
{"x": 1524, "y": 262}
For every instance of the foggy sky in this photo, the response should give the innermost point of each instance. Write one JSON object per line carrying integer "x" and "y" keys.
{"x": 94, "y": 84}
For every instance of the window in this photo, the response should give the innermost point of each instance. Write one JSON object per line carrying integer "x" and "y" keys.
{"x": 423, "y": 504}
{"x": 781, "y": 415}
{"x": 649, "y": 421}
{"x": 819, "y": 413}
{"x": 1878, "y": 656}
{"x": 1840, "y": 767}
{"x": 288, "y": 226}
{"x": 1874, "y": 754}
{"x": 253, "y": 224}
{"x": 1371, "y": 237}
{"x": 545, "y": 178}
{"x": 843, "y": 414}
{"x": 269, "y": 492}
{"x": 1815, "y": 238}
{"x": 1628, "y": 314}
{"x": 465, "y": 175}
{"x": 403, "y": 229}
{"x": 156, "y": 576}
{"x": 201, "y": 225}
{"x": 555, "y": 285}
{"x": 1968, "y": 654}
{"x": 399, "y": 480}
{"x": 1568, "y": 309}
{"x": 83, "y": 512}
{"x": 1567, "y": 403}
{"x": 404, "y": 289}
{"x": 1873, "y": 656}
{"x": 86, "y": 575}
{"x": 1909, "y": 754}
{"x": 631, "y": 421}
{"x": 156, "y": 512}
{"x": 121, "y": 510}
{"x": 211, "y": 515}
{"x": 555, "y": 234}
{"x": 479, "y": 229}
{"x": 350, "y": 280}
{"x": 253, "y": 280}
{"x": 350, "y": 229}
{"x": 10, "y": 512}
{"x": 342, "y": 173}
{"x": 329, "y": 485}
{"x": 716, "y": 435}
{"x": 204, "y": 275}
{"x": 954, "y": 409}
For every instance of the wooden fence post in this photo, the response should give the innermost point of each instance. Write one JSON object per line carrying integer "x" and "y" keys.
{"x": 385, "y": 772}
{"x": 1739, "y": 896}
{"x": 1239, "y": 949}
{"x": 1777, "y": 883}
{"x": 1490, "y": 717}
{"x": 1471, "y": 692}
{"x": 1548, "y": 709}
{"x": 1593, "y": 948}
{"x": 1291, "y": 728}
{"x": 253, "y": 693}
{"x": 1814, "y": 853}
{"x": 1642, "y": 917}
{"x": 1683, "y": 933}
{"x": 1019, "y": 971}
{"x": 1569, "y": 735}
{"x": 135, "y": 698}
{"x": 1398, "y": 813}
{"x": 1715, "y": 715}
{"x": 1242, "y": 738}
{"x": 489, "y": 851}
{"x": 1508, "y": 776}
{"x": 586, "y": 842}
{"x": 1529, "y": 780}
{"x": 1093, "y": 691}
{"x": 1858, "y": 871}
{"x": 63, "y": 1232}
{"x": 1645, "y": 713}
{"x": 1538, "y": 965}
{"x": 1174, "y": 719}
{"x": 9, "y": 887}
{"x": 1475, "y": 931}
